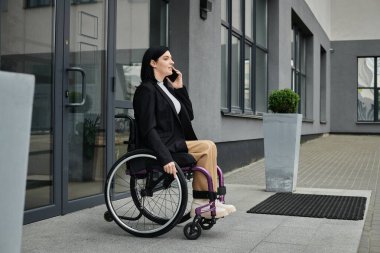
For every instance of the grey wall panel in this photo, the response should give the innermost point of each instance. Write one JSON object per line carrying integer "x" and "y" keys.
{"x": 284, "y": 46}
{"x": 279, "y": 57}
{"x": 204, "y": 70}
{"x": 233, "y": 155}
{"x": 179, "y": 36}
{"x": 344, "y": 76}
{"x": 355, "y": 20}
{"x": 273, "y": 45}
{"x": 322, "y": 11}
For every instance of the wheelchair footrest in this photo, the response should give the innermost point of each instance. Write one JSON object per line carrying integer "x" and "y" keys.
{"x": 204, "y": 195}
{"x": 222, "y": 190}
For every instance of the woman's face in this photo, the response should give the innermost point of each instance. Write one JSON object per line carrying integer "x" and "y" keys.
{"x": 163, "y": 66}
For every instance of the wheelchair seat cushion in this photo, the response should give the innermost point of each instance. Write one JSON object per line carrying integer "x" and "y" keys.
{"x": 184, "y": 159}
{"x": 142, "y": 163}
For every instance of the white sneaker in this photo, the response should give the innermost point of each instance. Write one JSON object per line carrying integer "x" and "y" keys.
{"x": 220, "y": 211}
{"x": 228, "y": 208}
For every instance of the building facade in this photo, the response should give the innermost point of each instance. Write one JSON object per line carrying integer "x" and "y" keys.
{"x": 86, "y": 56}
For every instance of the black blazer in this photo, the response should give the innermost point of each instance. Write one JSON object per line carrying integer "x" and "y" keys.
{"x": 159, "y": 126}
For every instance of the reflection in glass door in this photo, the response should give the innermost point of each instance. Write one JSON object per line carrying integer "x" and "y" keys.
{"x": 139, "y": 25}
{"x": 26, "y": 48}
{"x": 84, "y": 96}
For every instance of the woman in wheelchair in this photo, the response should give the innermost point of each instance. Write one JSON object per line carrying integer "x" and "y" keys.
{"x": 163, "y": 113}
{"x": 146, "y": 191}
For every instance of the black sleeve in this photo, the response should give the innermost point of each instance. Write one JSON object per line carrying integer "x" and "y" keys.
{"x": 182, "y": 95}
{"x": 144, "y": 107}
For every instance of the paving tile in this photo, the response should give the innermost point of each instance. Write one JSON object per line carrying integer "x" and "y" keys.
{"x": 375, "y": 242}
{"x": 266, "y": 247}
{"x": 342, "y": 222}
{"x": 231, "y": 241}
{"x": 364, "y": 240}
{"x": 363, "y": 247}
{"x": 337, "y": 235}
{"x": 193, "y": 248}
{"x": 304, "y": 222}
{"x": 292, "y": 235}
{"x": 329, "y": 249}
{"x": 374, "y": 250}
{"x": 254, "y": 222}
{"x": 375, "y": 233}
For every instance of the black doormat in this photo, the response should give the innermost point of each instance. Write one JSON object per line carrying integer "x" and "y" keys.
{"x": 310, "y": 205}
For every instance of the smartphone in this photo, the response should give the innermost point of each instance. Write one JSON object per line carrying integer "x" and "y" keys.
{"x": 173, "y": 76}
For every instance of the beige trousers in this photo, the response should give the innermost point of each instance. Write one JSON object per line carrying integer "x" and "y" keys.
{"x": 205, "y": 153}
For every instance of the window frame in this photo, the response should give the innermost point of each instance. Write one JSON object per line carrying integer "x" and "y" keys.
{"x": 375, "y": 88}
{"x": 298, "y": 69}
{"x": 323, "y": 86}
{"x": 244, "y": 40}
{"x": 29, "y": 4}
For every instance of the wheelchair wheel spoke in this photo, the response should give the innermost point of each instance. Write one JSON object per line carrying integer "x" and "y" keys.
{"x": 147, "y": 203}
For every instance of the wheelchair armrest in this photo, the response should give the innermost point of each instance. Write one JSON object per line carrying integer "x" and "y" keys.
{"x": 143, "y": 151}
{"x": 184, "y": 159}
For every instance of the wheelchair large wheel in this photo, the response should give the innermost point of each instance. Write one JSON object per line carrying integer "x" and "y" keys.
{"x": 146, "y": 201}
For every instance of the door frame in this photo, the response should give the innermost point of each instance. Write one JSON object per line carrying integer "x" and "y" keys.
{"x": 60, "y": 204}
{"x": 67, "y": 205}
{"x": 54, "y": 209}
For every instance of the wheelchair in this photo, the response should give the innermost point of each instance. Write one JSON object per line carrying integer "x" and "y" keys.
{"x": 147, "y": 202}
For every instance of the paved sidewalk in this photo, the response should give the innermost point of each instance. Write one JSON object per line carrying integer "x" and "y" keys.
{"x": 338, "y": 162}
{"x": 328, "y": 163}
{"x": 86, "y": 231}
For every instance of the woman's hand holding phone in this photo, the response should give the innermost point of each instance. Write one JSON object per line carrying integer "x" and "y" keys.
{"x": 175, "y": 79}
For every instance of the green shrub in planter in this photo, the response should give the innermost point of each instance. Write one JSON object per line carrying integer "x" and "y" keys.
{"x": 283, "y": 101}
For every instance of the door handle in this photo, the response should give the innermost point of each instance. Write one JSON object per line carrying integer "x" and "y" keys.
{"x": 83, "y": 74}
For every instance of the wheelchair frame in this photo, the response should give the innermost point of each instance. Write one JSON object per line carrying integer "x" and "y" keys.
{"x": 136, "y": 184}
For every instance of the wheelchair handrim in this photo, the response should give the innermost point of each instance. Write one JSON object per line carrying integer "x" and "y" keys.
{"x": 115, "y": 216}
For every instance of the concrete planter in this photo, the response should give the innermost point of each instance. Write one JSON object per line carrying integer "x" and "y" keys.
{"x": 282, "y": 135}
{"x": 16, "y": 100}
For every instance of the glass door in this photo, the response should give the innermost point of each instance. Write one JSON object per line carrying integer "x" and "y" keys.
{"x": 83, "y": 72}
{"x": 84, "y": 82}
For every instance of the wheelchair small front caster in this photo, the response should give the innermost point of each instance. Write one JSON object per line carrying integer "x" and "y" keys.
{"x": 207, "y": 224}
{"x": 107, "y": 216}
{"x": 192, "y": 230}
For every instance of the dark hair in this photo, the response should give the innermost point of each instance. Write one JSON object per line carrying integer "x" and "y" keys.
{"x": 153, "y": 53}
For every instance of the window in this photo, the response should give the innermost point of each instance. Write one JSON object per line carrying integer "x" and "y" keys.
{"x": 83, "y": 1}
{"x": 224, "y": 70}
{"x": 298, "y": 65}
{"x": 302, "y": 65}
{"x": 244, "y": 56}
{"x": 44, "y": 3}
{"x": 32, "y": 51}
{"x": 322, "y": 98}
{"x": 368, "y": 89}
{"x": 37, "y": 3}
